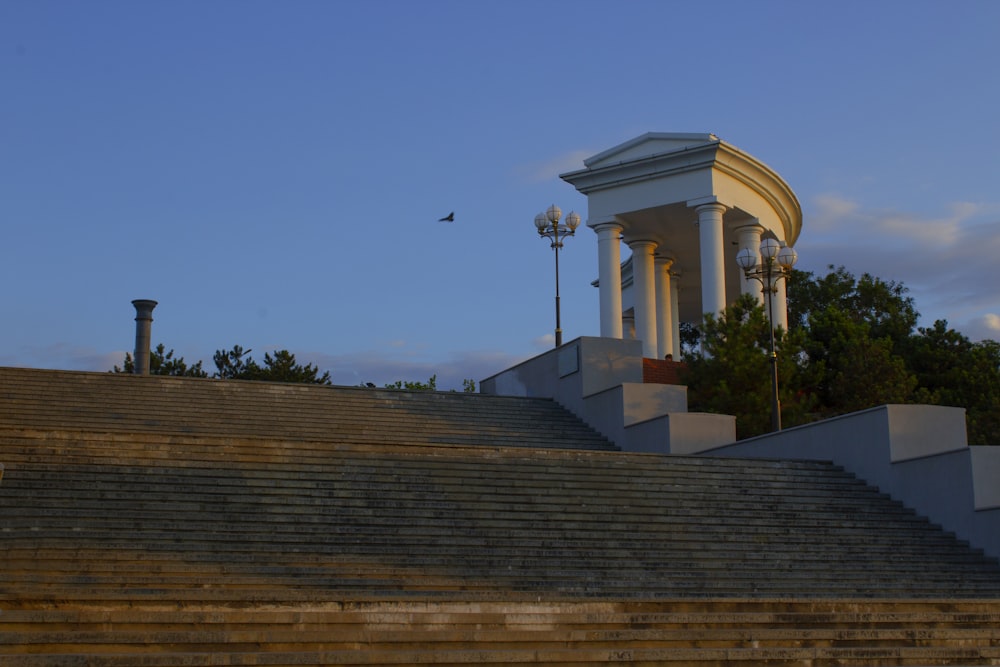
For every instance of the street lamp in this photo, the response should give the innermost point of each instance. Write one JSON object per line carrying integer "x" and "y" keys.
{"x": 548, "y": 226}
{"x": 776, "y": 262}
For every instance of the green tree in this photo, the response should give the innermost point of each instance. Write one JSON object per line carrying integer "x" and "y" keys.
{"x": 853, "y": 344}
{"x": 282, "y": 367}
{"x": 162, "y": 362}
{"x": 952, "y": 370}
{"x": 851, "y": 369}
{"x": 430, "y": 385}
{"x": 731, "y": 372}
{"x": 856, "y": 370}
{"x": 468, "y": 385}
{"x": 855, "y": 332}
{"x": 881, "y": 305}
{"x": 230, "y": 364}
{"x": 236, "y": 364}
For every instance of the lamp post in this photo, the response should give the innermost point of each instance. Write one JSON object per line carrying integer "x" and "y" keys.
{"x": 548, "y": 226}
{"x": 775, "y": 263}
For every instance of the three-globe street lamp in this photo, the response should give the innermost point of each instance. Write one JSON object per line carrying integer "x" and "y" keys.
{"x": 775, "y": 263}
{"x": 549, "y": 227}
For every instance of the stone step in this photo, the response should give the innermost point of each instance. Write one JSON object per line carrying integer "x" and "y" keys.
{"x": 280, "y": 498}
{"x": 267, "y": 640}
{"x": 651, "y": 582}
{"x": 152, "y": 521}
{"x": 429, "y": 488}
{"x": 463, "y": 560}
{"x": 503, "y": 462}
{"x": 636, "y": 581}
{"x": 472, "y": 529}
{"x": 414, "y": 527}
{"x": 674, "y": 632}
{"x": 354, "y": 619}
{"x": 377, "y": 585}
{"x": 454, "y": 465}
{"x": 517, "y": 570}
{"x": 82, "y": 401}
{"x": 517, "y": 522}
{"x": 49, "y": 448}
{"x": 707, "y": 657}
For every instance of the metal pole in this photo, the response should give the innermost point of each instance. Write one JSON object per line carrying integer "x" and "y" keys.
{"x": 775, "y": 401}
{"x": 556, "y": 244}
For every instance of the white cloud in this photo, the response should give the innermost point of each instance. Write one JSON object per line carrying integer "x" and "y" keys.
{"x": 983, "y": 327}
{"x": 542, "y": 172}
{"x": 831, "y": 209}
{"x": 835, "y": 215}
{"x": 947, "y": 261}
{"x": 544, "y": 342}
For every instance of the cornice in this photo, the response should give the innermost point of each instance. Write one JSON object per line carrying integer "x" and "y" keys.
{"x": 766, "y": 182}
{"x": 658, "y": 165}
{"x": 714, "y": 154}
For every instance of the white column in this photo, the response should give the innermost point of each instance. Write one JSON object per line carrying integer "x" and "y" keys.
{"x": 675, "y": 329}
{"x": 644, "y": 290}
{"x": 713, "y": 267}
{"x": 664, "y": 313}
{"x": 780, "y": 305}
{"x": 749, "y": 237}
{"x": 609, "y": 275}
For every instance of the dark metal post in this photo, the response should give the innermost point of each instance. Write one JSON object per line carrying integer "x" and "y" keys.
{"x": 547, "y": 225}
{"x": 557, "y": 244}
{"x": 771, "y": 288}
{"x": 773, "y": 263}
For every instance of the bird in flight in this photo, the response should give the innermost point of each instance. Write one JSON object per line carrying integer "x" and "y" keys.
{"x": 448, "y": 218}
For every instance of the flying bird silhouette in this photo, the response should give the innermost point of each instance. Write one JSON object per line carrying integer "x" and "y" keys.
{"x": 448, "y": 218}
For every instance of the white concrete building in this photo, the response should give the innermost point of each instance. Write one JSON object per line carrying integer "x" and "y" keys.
{"x": 684, "y": 204}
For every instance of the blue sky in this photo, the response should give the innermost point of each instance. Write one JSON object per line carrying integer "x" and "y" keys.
{"x": 272, "y": 172}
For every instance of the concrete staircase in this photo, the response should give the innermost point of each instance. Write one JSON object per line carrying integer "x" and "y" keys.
{"x": 110, "y": 403}
{"x": 159, "y": 521}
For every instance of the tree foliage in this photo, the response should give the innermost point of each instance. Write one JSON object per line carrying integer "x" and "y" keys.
{"x": 852, "y": 344}
{"x": 236, "y": 364}
{"x": 162, "y": 362}
{"x": 468, "y": 385}
{"x": 430, "y": 385}
{"x": 731, "y": 374}
{"x": 952, "y": 370}
{"x": 279, "y": 366}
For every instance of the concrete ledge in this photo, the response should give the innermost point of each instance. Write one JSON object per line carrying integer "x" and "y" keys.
{"x": 916, "y": 431}
{"x": 647, "y": 401}
{"x": 986, "y": 477}
{"x": 680, "y": 433}
{"x": 614, "y": 410}
{"x": 582, "y": 367}
{"x": 600, "y": 381}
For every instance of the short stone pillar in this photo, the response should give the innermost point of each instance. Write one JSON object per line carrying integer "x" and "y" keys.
{"x": 143, "y": 334}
